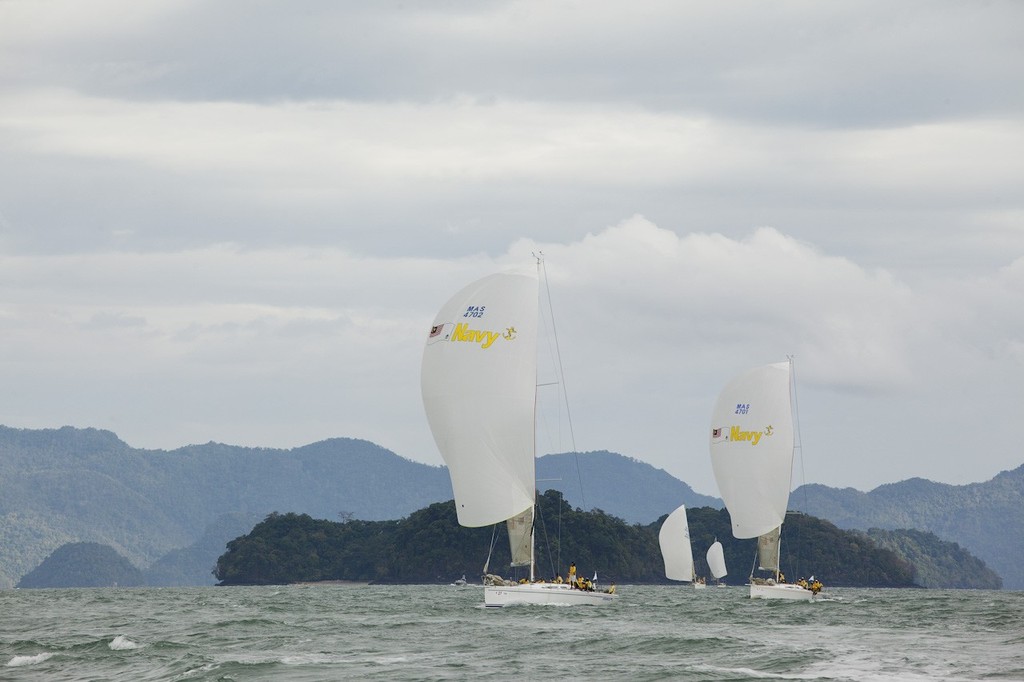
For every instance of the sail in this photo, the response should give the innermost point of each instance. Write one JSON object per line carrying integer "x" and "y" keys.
{"x": 478, "y": 381}
{"x": 674, "y": 539}
{"x": 752, "y": 448}
{"x": 768, "y": 550}
{"x": 716, "y": 561}
{"x": 520, "y": 538}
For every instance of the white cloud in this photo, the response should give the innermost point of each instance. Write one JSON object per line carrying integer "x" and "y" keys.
{"x": 232, "y": 222}
{"x": 284, "y": 347}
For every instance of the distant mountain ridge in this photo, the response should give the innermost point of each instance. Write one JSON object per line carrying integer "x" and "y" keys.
{"x": 65, "y": 485}
{"x": 985, "y": 518}
{"x": 171, "y": 512}
{"x": 68, "y": 484}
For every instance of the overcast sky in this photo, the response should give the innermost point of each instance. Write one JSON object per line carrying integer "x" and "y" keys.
{"x": 235, "y": 220}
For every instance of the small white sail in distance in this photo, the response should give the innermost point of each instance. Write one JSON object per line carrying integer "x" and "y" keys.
{"x": 716, "y": 560}
{"x": 674, "y": 538}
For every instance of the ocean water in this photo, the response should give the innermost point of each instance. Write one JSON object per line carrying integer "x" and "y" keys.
{"x": 342, "y": 632}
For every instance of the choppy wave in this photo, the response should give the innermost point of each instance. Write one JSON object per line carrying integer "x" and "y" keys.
{"x": 122, "y": 643}
{"x": 19, "y": 661}
{"x": 428, "y": 632}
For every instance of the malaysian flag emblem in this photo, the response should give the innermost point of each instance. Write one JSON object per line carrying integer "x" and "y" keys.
{"x": 435, "y": 330}
{"x": 716, "y": 433}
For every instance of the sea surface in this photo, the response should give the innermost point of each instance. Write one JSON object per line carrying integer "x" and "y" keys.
{"x": 440, "y": 632}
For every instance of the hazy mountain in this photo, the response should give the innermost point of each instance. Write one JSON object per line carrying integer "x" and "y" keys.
{"x": 937, "y": 563}
{"x": 985, "y": 518}
{"x": 83, "y": 564}
{"x": 193, "y": 565}
{"x": 65, "y": 485}
{"x": 171, "y": 511}
{"x": 622, "y": 486}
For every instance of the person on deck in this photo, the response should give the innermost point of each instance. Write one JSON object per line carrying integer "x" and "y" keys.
{"x": 572, "y": 573}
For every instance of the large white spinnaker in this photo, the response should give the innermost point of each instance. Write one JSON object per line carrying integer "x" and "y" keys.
{"x": 752, "y": 448}
{"x": 674, "y": 538}
{"x": 716, "y": 561}
{"x": 478, "y": 380}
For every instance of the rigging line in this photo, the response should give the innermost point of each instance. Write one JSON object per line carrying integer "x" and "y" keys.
{"x": 800, "y": 439}
{"x": 561, "y": 374}
{"x": 494, "y": 537}
{"x": 798, "y": 445}
{"x": 547, "y": 540}
{"x": 554, "y": 435}
{"x": 558, "y": 562}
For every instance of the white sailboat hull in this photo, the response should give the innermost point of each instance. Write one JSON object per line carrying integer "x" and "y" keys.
{"x": 543, "y": 593}
{"x": 786, "y": 591}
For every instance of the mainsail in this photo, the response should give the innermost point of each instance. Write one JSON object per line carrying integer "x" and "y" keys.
{"x": 768, "y": 550}
{"x": 520, "y": 538}
{"x": 674, "y": 539}
{"x": 478, "y": 381}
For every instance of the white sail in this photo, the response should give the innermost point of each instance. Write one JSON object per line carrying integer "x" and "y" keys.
{"x": 752, "y": 448}
{"x": 478, "y": 381}
{"x": 716, "y": 561}
{"x": 674, "y": 539}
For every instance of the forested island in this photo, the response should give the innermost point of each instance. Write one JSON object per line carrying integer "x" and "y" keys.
{"x": 429, "y": 546}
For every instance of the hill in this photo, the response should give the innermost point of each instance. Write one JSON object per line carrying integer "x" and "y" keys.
{"x": 937, "y": 563}
{"x": 986, "y": 518}
{"x": 65, "y": 485}
{"x": 169, "y": 511}
{"x": 164, "y": 509}
{"x": 628, "y": 488}
{"x": 83, "y": 564}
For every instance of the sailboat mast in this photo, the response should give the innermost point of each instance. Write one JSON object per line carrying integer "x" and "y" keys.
{"x": 532, "y": 560}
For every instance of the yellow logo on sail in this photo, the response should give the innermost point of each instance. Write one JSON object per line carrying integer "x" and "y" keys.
{"x": 753, "y": 436}
{"x": 462, "y": 332}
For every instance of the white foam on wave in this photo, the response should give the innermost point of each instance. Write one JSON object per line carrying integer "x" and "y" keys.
{"x": 122, "y": 643}
{"x": 755, "y": 674}
{"x": 308, "y": 659}
{"x": 19, "y": 661}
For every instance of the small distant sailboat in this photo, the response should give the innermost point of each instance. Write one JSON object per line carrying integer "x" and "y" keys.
{"x": 674, "y": 539}
{"x": 479, "y": 382}
{"x": 752, "y": 441}
{"x": 716, "y": 562}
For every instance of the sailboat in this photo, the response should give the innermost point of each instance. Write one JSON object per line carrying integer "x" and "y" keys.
{"x": 479, "y": 383}
{"x": 752, "y": 441}
{"x": 716, "y": 562}
{"x": 674, "y": 539}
